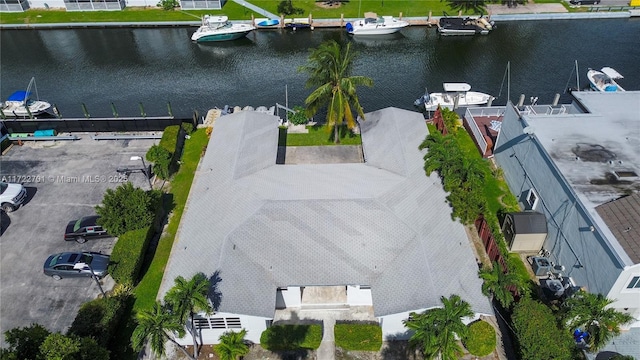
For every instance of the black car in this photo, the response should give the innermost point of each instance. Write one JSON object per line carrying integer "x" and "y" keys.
{"x": 585, "y": 2}
{"x": 84, "y": 228}
{"x": 76, "y": 264}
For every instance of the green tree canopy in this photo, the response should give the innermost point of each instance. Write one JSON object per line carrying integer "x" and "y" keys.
{"x": 591, "y": 313}
{"x": 232, "y": 345}
{"x": 127, "y": 208}
{"x": 435, "y": 330}
{"x": 157, "y": 325}
{"x": 187, "y": 297}
{"x": 537, "y": 332}
{"x": 497, "y": 283}
{"x": 24, "y": 343}
{"x": 59, "y": 347}
{"x": 329, "y": 67}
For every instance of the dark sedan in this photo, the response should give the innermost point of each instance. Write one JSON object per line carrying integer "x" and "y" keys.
{"x": 84, "y": 228}
{"x": 76, "y": 264}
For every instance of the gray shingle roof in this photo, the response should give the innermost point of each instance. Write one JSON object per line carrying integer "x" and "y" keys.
{"x": 382, "y": 223}
{"x": 622, "y": 216}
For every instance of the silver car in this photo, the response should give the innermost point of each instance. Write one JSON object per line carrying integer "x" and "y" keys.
{"x": 76, "y": 264}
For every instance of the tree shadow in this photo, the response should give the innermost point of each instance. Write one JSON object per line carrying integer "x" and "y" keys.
{"x": 399, "y": 349}
{"x": 31, "y": 192}
{"x": 167, "y": 205}
{"x": 215, "y": 296}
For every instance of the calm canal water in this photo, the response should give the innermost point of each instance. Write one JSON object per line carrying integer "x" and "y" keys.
{"x": 126, "y": 67}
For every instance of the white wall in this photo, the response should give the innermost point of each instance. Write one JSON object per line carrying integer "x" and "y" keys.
{"x": 358, "y": 297}
{"x": 253, "y": 324}
{"x": 628, "y": 299}
{"x": 291, "y": 297}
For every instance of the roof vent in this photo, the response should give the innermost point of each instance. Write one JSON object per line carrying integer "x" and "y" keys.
{"x": 625, "y": 174}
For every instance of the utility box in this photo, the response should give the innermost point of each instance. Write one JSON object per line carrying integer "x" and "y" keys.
{"x": 541, "y": 266}
{"x": 525, "y": 231}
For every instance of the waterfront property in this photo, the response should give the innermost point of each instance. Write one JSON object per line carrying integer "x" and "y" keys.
{"x": 373, "y": 238}
{"x": 580, "y": 167}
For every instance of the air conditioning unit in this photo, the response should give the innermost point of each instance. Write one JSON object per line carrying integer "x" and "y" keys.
{"x": 541, "y": 266}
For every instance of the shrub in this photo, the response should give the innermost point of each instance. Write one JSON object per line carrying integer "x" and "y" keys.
{"x": 161, "y": 159}
{"x": 127, "y": 208}
{"x": 291, "y": 337}
{"x": 128, "y": 254}
{"x": 169, "y": 139}
{"x": 168, "y": 4}
{"x": 358, "y": 337}
{"x": 538, "y": 334}
{"x": 286, "y": 7}
{"x": 187, "y": 127}
{"x": 98, "y": 319}
{"x": 25, "y": 342}
{"x": 480, "y": 339}
{"x": 299, "y": 117}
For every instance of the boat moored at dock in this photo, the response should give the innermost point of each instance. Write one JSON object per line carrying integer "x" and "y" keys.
{"x": 464, "y": 26}
{"x": 372, "y": 24}
{"x": 219, "y": 28}
{"x": 604, "y": 80}
{"x": 20, "y": 103}
{"x": 454, "y": 95}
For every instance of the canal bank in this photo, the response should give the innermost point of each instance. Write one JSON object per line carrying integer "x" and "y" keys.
{"x": 496, "y": 12}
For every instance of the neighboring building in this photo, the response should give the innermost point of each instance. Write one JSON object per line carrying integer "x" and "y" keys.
{"x": 374, "y": 234}
{"x": 580, "y": 168}
{"x": 95, "y": 5}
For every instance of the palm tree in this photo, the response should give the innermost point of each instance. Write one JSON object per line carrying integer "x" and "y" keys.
{"x": 188, "y": 297}
{"x": 590, "y": 312}
{"x": 435, "y": 330}
{"x": 465, "y": 5}
{"x": 232, "y": 345}
{"x": 156, "y": 326}
{"x": 329, "y": 67}
{"x": 497, "y": 283}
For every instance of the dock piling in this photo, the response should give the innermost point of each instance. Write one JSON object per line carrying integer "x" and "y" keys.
{"x": 113, "y": 109}
{"x": 169, "y": 108}
{"x": 85, "y": 111}
{"x": 142, "y": 113}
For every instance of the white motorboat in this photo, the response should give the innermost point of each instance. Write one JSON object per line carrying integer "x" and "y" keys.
{"x": 20, "y": 103}
{"x": 372, "y": 24}
{"x": 454, "y": 95}
{"x": 604, "y": 80}
{"x": 219, "y": 28}
{"x": 464, "y": 26}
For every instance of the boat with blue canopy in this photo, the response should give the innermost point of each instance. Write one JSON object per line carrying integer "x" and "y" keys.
{"x": 20, "y": 103}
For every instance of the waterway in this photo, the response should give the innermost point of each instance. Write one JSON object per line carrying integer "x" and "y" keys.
{"x": 126, "y": 67}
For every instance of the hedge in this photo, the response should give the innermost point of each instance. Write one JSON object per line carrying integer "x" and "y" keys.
{"x": 169, "y": 139}
{"x": 358, "y": 337}
{"x": 99, "y": 318}
{"x": 128, "y": 254}
{"x": 480, "y": 339}
{"x": 291, "y": 337}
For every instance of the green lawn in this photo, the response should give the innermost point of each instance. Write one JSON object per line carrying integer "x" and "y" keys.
{"x": 291, "y": 337}
{"x": 320, "y": 135}
{"x": 408, "y": 8}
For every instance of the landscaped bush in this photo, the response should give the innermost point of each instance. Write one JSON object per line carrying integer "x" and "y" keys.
{"x": 299, "y": 117}
{"x": 169, "y": 138}
{"x": 161, "y": 159}
{"x": 128, "y": 208}
{"x": 99, "y": 319}
{"x": 358, "y": 336}
{"x": 480, "y": 339}
{"x": 128, "y": 254}
{"x": 291, "y": 337}
{"x": 538, "y": 334}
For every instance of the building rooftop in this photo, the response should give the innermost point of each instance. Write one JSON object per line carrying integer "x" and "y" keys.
{"x": 597, "y": 152}
{"x": 381, "y": 223}
{"x": 622, "y": 216}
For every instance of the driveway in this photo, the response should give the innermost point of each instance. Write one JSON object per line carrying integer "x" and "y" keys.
{"x": 64, "y": 181}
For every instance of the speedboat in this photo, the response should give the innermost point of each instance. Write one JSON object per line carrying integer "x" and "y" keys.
{"x": 464, "y": 26}
{"x": 603, "y": 80}
{"x": 219, "y": 28}
{"x": 454, "y": 95}
{"x": 374, "y": 25}
{"x": 20, "y": 103}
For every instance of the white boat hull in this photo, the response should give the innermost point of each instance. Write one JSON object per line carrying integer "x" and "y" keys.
{"x": 384, "y": 26}
{"x": 448, "y": 100}
{"x": 599, "y": 81}
{"x": 18, "y": 109}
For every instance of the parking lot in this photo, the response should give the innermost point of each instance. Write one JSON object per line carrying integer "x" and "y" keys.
{"x": 64, "y": 181}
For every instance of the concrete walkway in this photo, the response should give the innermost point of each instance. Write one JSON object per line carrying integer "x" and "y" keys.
{"x": 257, "y": 9}
{"x": 327, "y": 349}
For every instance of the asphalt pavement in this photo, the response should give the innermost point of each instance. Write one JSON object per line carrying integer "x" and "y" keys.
{"x": 64, "y": 181}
